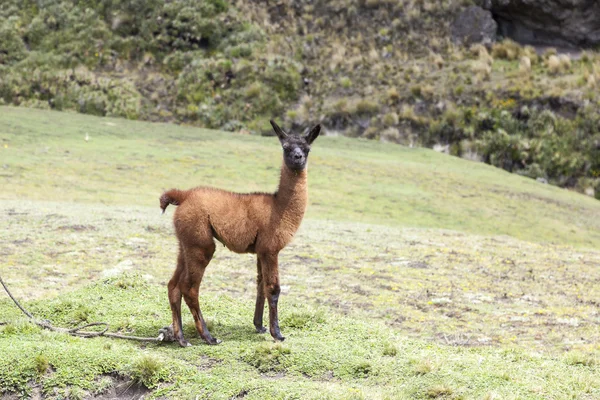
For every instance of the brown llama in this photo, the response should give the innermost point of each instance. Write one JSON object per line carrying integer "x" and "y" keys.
{"x": 259, "y": 223}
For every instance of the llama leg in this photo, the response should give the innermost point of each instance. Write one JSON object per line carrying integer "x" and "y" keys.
{"x": 175, "y": 300}
{"x": 260, "y": 299}
{"x": 270, "y": 272}
{"x": 197, "y": 258}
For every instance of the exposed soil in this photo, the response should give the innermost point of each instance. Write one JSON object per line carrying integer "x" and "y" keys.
{"x": 123, "y": 389}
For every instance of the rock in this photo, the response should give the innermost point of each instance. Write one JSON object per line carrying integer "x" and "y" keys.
{"x": 474, "y": 25}
{"x": 559, "y": 23}
{"x": 590, "y": 191}
{"x": 442, "y": 148}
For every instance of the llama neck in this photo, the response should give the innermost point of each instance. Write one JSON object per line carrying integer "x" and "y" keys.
{"x": 292, "y": 196}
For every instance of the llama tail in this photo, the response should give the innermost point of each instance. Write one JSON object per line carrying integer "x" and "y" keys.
{"x": 173, "y": 196}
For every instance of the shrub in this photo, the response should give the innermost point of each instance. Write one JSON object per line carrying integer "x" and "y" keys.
{"x": 345, "y": 82}
{"x": 253, "y": 90}
{"x": 415, "y": 90}
{"x": 437, "y": 60}
{"x": 390, "y": 350}
{"x": 525, "y": 65}
{"x": 148, "y": 371}
{"x": 422, "y": 367}
{"x": 371, "y": 132}
{"x": 390, "y": 135}
{"x": 507, "y": 50}
{"x": 390, "y": 119}
{"x": 565, "y": 62}
{"x": 437, "y": 391}
{"x": 393, "y": 96}
{"x": 529, "y": 51}
{"x": 366, "y": 106}
{"x": 283, "y": 76}
{"x": 362, "y": 369}
{"x": 482, "y": 70}
{"x": 407, "y": 113}
{"x": 267, "y": 356}
{"x": 41, "y": 364}
{"x": 554, "y": 65}
{"x": 12, "y": 48}
{"x": 581, "y": 359}
{"x": 305, "y": 319}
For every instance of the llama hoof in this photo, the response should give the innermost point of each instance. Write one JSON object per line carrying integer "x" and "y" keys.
{"x": 279, "y": 338}
{"x": 261, "y": 329}
{"x": 184, "y": 343}
{"x": 212, "y": 341}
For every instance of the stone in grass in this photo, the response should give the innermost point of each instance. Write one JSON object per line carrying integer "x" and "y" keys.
{"x": 474, "y": 25}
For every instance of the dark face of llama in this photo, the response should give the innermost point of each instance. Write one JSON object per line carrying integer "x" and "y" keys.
{"x": 296, "y": 147}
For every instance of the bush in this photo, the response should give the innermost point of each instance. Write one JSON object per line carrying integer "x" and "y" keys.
{"x": 362, "y": 369}
{"x": 267, "y": 356}
{"x": 366, "y": 106}
{"x": 390, "y": 350}
{"x": 482, "y": 70}
{"x": 41, "y": 364}
{"x": 542, "y": 146}
{"x": 303, "y": 320}
{"x": 507, "y": 50}
{"x": 554, "y": 65}
{"x": 76, "y": 48}
{"x": 390, "y": 135}
{"x": 391, "y": 119}
{"x": 525, "y": 65}
{"x": 12, "y": 48}
{"x": 148, "y": 371}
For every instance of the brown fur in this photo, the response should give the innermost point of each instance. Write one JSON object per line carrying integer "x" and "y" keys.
{"x": 258, "y": 223}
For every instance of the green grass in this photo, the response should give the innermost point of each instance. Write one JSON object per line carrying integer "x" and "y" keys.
{"x": 130, "y": 163}
{"x": 338, "y": 357}
{"x": 414, "y": 275}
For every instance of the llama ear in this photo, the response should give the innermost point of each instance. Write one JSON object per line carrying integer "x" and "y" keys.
{"x": 280, "y": 133}
{"x": 312, "y": 135}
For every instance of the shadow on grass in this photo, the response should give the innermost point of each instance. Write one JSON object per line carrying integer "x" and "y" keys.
{"x": 226, "y": 332}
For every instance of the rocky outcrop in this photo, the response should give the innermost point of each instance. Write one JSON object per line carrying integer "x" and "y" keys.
{"x": 548, "y": 22}
{"x": 474, "y": 25}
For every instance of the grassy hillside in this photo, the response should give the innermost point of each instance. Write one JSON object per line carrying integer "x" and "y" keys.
{"x": 377, "y": 69}
{"x": 414, "y": 275}
{"x": 46, "y": 157}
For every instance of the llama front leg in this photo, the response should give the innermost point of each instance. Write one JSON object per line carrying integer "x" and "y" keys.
{"x": 270, "y": 273}
{"x": 260, "y": 299}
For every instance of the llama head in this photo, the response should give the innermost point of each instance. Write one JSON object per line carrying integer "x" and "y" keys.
{"x": 296, "y": 147}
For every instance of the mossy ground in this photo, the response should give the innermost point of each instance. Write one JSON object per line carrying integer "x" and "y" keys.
{"x": 414, "y": 275}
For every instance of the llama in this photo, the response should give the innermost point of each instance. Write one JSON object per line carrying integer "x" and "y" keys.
{"x": 258, "y": 223}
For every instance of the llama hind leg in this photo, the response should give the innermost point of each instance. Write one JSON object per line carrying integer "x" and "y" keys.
{"x": 260, "y": 299}
{"x": 197, "y": 258}
{"x": 270, "y": 273}
{"x": 175, "y": 300}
